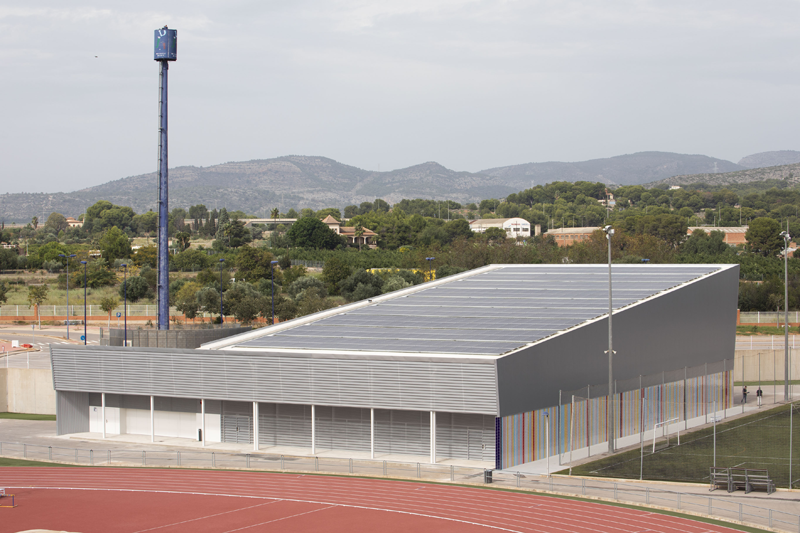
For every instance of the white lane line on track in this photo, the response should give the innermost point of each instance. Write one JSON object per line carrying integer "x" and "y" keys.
{"x": 279, "y": 519}
{"x": 591, "y": 513}
{"x": 206, "y": 517}
{"x": 559, "y": 510}
{"x": 268, "y": 498}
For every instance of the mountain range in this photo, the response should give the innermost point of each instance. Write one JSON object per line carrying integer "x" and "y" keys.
{"x": 309, "y": 181}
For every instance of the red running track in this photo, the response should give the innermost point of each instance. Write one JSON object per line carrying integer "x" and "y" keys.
{"x": 167, "y": 501}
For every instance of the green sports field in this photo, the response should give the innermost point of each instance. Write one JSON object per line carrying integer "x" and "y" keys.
{"x": 760, "y": 440}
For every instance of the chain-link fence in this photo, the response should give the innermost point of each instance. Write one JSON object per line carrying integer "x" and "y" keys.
{"x": 767, "y": 440}
{"x": 768, "y": 371}
{"x": 697, "y": 504}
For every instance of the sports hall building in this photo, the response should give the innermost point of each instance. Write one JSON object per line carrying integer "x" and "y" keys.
{"x": 476, "y": 366}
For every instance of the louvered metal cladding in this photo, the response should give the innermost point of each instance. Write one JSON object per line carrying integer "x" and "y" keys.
{"x": 284, "y": 425}
{"x": 342, "y": 428}
{"x": 72, "y": 412}
{"x": 465, "y": 436}
{"x": 402, "y": 432}
{"x": 425, "y": 384}
{"x": 237, "y": 422}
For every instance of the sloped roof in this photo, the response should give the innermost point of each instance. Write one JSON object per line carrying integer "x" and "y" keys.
{"x": 330, "y": 220}
{"x": 489, "y": 311}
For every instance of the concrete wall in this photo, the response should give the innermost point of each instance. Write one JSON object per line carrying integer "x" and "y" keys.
{"x": 25, "y": 390}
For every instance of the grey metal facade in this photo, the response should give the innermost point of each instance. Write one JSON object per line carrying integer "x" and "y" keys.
{"x": 686, "y": 327}
{"x": 72, "y": 412}
{"x": 411, "y": 383}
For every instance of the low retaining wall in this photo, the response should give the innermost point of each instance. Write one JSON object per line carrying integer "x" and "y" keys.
{"x": 24, "y": 390}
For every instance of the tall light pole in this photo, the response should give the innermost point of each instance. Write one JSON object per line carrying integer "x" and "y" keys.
{"x": 221, "y": 315}
{"x": 165, "y": 50}
{"x": 786, "y": 239}
{"x": 84, "y": 301}
{"x": 272, "y": 276}
{"x": 68, "y": 258}
{"x": 125, "y": 301}
{"x": 610, "y": 422}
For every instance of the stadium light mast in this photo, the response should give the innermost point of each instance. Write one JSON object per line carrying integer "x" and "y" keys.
{"x": 165, "y": 50}
{"x": 609, "y": 231}
{"x": 786, "y": 239}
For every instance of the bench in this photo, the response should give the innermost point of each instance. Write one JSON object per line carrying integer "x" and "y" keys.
{"x": 720, "y": 479}
{"x": 747, "y": 479}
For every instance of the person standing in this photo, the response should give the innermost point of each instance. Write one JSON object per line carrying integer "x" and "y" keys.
{"x": 744, "y": 394}
{"x": 758, "y": 395}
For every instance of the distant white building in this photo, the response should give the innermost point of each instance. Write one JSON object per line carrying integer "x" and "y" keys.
{"x": 514, "y": 227}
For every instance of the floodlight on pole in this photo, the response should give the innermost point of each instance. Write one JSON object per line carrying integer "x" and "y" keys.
{"x": 68, "y": 257}
{"x": 165, "y": 50}
{"x": 609, "y": 231}
{"x": 221, "y": 309}
{"x": 125, "y": 300}
{"x": 84, "y": 301}
{"x": 272, "y": 277}
{"x": 786, "y": 238}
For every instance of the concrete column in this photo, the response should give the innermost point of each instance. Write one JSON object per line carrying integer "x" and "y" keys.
{"x": 313, "y": 432}
{"x": 103, "y": 411}
{"x": 372, "y": 433}
{"x": 203, "y": 421}
{"x": 433, "y": 437}
{"x": 152, "y": 419}
{"x": 255, "y": 426}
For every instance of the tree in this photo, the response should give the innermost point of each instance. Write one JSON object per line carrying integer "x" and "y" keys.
{"x": 56, "y": 222}
{"x": 108, "y": 304}
{"x": 244, "y": 302}
{"x": 311, "y": 232}
{"x": 208, "y": 300}
{"x": 358, "y": 233}
{"x": 275, "y": 214}
{"x": 332, "y": 211}
{"x": 191, "y": 260}
{"x": 763, "y": 237}
{"x": 35, "y": 223}
{"x": 37, "y": 294}
{"x": 335, "y": 271}
{"x": 253, "y": 263}
{"x": 137, "y": 288}
{"x": 183, "y": 238}
{"x": 146, "y": 223}
{"x": 114, "y": 245}
{"x": 4, "y": 288}
{"x": 360, "y": 285}
{"x": 299, "y": 286}
{"x": 186, "y": 299}
{"x": 146, "y": 255}
{"x": 495, "y": 234}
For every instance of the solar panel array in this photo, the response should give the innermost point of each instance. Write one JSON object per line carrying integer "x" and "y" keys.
{"x": 489, "y": 313}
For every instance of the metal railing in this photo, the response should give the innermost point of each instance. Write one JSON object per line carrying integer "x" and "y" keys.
{"x": 697, "y": 504}
{"x": 768, "y": 317}
{"x": 765, "y": 342}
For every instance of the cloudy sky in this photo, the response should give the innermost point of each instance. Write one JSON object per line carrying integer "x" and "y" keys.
{"x": 387, "y": 84}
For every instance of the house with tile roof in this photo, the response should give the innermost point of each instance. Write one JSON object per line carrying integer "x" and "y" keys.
{"x": 367, "y": 238}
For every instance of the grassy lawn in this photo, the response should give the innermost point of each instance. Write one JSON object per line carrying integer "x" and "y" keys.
{"x": 760, "y": 440}
{"x": 7, "y": 461}
{"x": 764, "y": 330}
{"x": 24, "y": 416}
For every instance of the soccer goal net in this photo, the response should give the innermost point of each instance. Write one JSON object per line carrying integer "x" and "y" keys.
{"x": 666, "y": 434}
